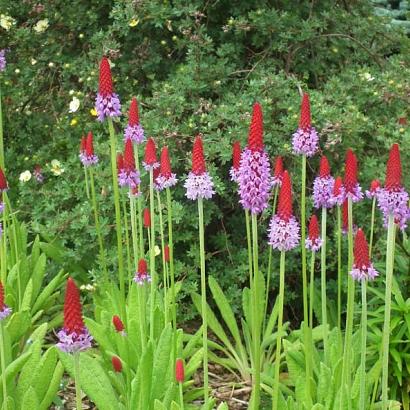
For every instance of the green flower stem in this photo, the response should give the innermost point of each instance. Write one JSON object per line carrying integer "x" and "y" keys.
{"x": 181, "y": 396}
{"x": 346, "y": 375}
{"x": 2, "y": 162}
{"x": 139, "y": 207}
{"x": 164, "y": 264}
{"x": 311, "y": 290}
{"x": 3, "y": 248}
{"x": 127, "y": 240}
{"x": 134, "y": 230}
{"x": 117, "y": 207}
{"x": 362, "y": 394}
{"x": 152, "y": 254}
{"x": 275, "y": 391}
{"x": 77, "y": 381}
{"x": 256, "y": 324}
{"x": 3, "y": 367}
{"x": 98, "y": 226}
{"x": 323, "y": 279}
{"x": 391, "y": 235}
{"x": 203, "y": 298}
{"x": 339, "y": 268}
{"x": 372, "y": 227}
{"x": 171, "y": 258}
{"x": 87, "y": 188}
{"x": 249, "y": 241}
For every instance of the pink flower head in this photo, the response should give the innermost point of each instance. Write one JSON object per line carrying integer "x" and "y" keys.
{"x": 362, "y": 268}
{"x": 134, "y": 130}
{"x": 141, "y": 275}
{"x": 352, "y": 187}
{"x": 323, "y": 186}
{"x": 313, "y": 241}
{"x": 236, "y": 159}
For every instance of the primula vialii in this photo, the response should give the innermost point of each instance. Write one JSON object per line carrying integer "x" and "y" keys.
{"x": 278, "y": 172}
{"x": 116, "y": 364}
{"x": 134, "y": 130}
{"x": 236, "y": 161}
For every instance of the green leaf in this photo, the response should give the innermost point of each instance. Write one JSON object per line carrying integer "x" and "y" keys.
{"x": 53, "y": 387}
{"x": 144, "y": 376}
{"x": 47, "y": 291}
{"x": 30, "y": 400}
{"x": 18, "y": 325}
{"x": 28, "y": 293}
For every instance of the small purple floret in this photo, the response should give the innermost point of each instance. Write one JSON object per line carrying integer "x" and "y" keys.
{"x": 150, "y": 167}
{"x": 254, "y": 180}
{"x": 73, "y": 342}
{"x": 313, "y": 244}
{"x": 5, "y": 312}
{"x": 162, "y": 182}
{"x": 323, "y": 192}
{"x": 107, "y": 106}
{"x": 88, "y": 160}
{"x": 305, "y": 141}
{"x": 142, "y": 278}
{"x": 372, "y": 193}
{"x": 199, "y": 186}
{"x": 338, "y": 199}
{"x": 134, "y": 133}
{"x": 394, "y": 203}
{"x": 283, "y": 235}
{"x": 129, "y": 178}
{"x": 356, "y": 195}
{"x": 1, "y": 207}
{"x": 276, "y": 182}
{"x": 3, "y": 62}
{"x": 234, "y": 173}
{"x": 364, "y": 273}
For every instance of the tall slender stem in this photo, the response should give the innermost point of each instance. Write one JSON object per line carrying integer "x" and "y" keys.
{"x": 117, "y": 207}
{"x": 152, "y": 254}
{"x": 275, "y": 391}
{"x": 372, "y": 227}
{"x": 87, "y": 189}
{"x": 77, "y": 381}
{"x": 127, "y": 240}
{"x": 171, "y": 258}
{"x": 323, "y": 279}
{"x": 139, "y": 207}
{"x": 134, "y": 230}
{"x": 339, "y": 268}
{"x": 311, "y": 290}
{"x": 98, "y": 226}
{"x": 362, "y": 395}
{"x": 249, "y": 242}
{"x": 203, "y": 297}
{"x": 3, "y": 367}
{"x": 256, "y": 325}
{"x": 2, "y": 162}
{"x": 391, "y": 235}
{"x": 181, "y": 396}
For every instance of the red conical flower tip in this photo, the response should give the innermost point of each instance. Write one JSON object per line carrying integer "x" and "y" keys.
{"x": 3, "y": 181}
{"x": 374, "y": 185}
{"x": 89, "y": 147}
{"x": 105, "y": 86}
{"x": 83, "y": 144}
{"x": 285, "y": 198}
{"x": 278, "y": 167}
{"x": 337, "y": 188}
{"x": 129, "y": 159}
{"x": 350, "y": 180}
{"x": 73, "y": 320}
{"x": 361, "y": 250}
{"x": 1, "y": 297}
{"x": 393, "y": 171}
{"x": 236, "y": 155}
{"x": 150, "y": 157}
{"x": 313, "y": 228}
{"x": 179, "y": 371}
{"x": 305, "y": 121}
{"x": 255, "y": 138}
{"x": 120, "y": 162}
{"x": 345, "y": 216}
{"x": 165, "y": 168}
{"x": 198, "y": 160}
{"x": 117, "y": 322}
{"x": 142, "y": 266}
{"x": 147, "y": 218}
{"x": 133, "y": 118}
{"x": 324, "y": 170}
{"x": 116, "y": 364}
{"x": 166, "y": 253}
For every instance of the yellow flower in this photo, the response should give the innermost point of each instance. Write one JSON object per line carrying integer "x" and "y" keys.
{"x": 41, "y": 26}
{"x": 93, "y": 112}
{"x": 73, "y": 122}
{"x": 25, "y": 176}
{"x": 6, "y": 22}
{"x": 157, "y": 251}
{"x": 133, "y": 22}
{"x": 56, "y": 168}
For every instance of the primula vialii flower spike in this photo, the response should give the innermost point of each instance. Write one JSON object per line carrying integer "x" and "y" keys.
{"x": 305, "y": 139}
{"x": 166, "y": 177}
{"x": 3, "y": 62}
{"x": 107, "y": 102}
{"x": 134, "y": 130}
{"x": 374, "y": 188}
{"x": 179, "y": 371}
{"x": 147, "y": 218}
{"x": 127, "y": 174}
{"x": 3, "y": 182}
{"x": 283, "y": 227}
{"x": 255, "y": 138}
{"x": 199, "y": 183}
{"x": 352, "y": 187}
{"x": 150, "y": 156}
{"x": 87, "y": 155}
{"x": 362, "y": 268}
{"x": 116, "y": 364}
{"x": 313, "y": 241}
{"x": 117, "y": 322}
{"x": 4, "y": 309}
{"x": 120, "y": 162}
{"x": 278, "y": 172}
{"x": 323, "y": 186}
{"x": 166, "y": 253}
{"x": 141, "y": 275}
{"x": 393, "y": 198}
{"x": 74, "y": 337}
{"x": 236, "y": 160}
{"x": 338, "y": 194}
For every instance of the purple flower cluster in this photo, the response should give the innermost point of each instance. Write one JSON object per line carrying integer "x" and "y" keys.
{"x": 323, "y": 192}
{"x": 364, "y": 273}
{"x": 356, "y": 195}
{"x": 73, "y": 342}
{"x": 254, "y": 180}
{"x": 163, "y": 182}
{"x": 372, "y": 194}
{"x": 3, "y": 62}
{"x": 313, "y": 244}
{"x": 234, "y": 173}
{"x": 305, "y": 141}
{"x": 149, "y": 167}
{"x": 394, "y": 203}
{"x": 283, "y": 235}
{"x": 141, "y": 278}
{"x": 5, "y": 312}
{"x": 276, "y": 181}
{"x": 129, "y": 178}
{"x": 88, "y": 160}
{"x": 1, "y": 207}
{"x": 199, "y": 186}
{"x": 107, "y": 106}
{"x": 134, "y": 133}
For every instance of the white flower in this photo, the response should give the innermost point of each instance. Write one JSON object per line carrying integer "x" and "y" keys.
{"x": 157, "y": 251}
{"x": 74, "y": 104}
{"x": 368, "y": 77}
{"x": 25, "y": 176}
{"x": 41, "y": 26}
{"x": 33, "y": 61}
{"x": 6, "y": 22}
{"x": 56, "y": 168}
